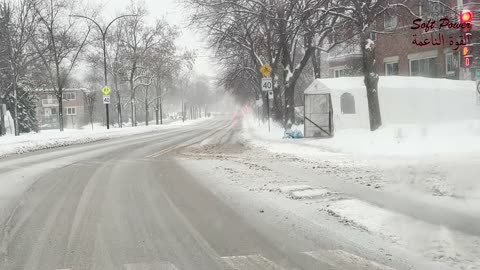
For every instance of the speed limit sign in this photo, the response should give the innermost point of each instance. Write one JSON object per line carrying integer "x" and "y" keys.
{"x": 106, "y": 99}
{"x": 267, "y": 84}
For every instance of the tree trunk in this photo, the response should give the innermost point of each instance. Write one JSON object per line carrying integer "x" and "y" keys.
{"x": 161, "y": 114}
{"x": 316, "y": 63}
{"x": 156, "y": 116}
{"x": 60, "y": 110}
{"x": 132, "y": 102}
{"x": 2, "y": 121}
{"x": 371, "y": 82}
{"x": 158, "y": 91}
{"x": 119, "y": 103}
{"x": 15, "y": 109}
{"x": 277, "y": 106}
{"x": 289, "y": 105}
{"x": 146, "y": 113}
{"x": 146, "y": 106}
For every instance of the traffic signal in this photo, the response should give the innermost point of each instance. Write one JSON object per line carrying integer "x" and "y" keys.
{"x": 466, "y": 16}
{"x": 467, "y": 56}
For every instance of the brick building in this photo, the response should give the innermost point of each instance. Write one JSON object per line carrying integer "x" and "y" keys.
{"x": 74, "y": 110}
{"x": 396, "y": 53}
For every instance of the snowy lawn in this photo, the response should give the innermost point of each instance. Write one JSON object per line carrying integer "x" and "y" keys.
{"x": 53, "y": 138}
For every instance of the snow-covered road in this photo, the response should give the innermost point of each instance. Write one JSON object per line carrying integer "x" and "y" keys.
{"x": 46, "y": 139}
{"x": 338, "y": 207}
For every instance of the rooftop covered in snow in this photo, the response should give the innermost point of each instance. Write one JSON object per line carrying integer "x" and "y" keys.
{"x": 321, "y": 86}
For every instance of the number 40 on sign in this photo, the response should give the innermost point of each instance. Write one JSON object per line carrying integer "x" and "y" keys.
{"x": 106, "y": 99}
{"x": 267, "y": 84}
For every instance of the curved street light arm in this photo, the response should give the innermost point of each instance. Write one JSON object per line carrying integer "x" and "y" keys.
{"x": 90, "y": 19}
{"x": 119, "y": 17}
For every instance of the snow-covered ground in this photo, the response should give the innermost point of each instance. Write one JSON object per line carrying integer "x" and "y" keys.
{"x": 389, "y": 141}
{"x": 53, "y": 138}
{"x": 411, "y": 195}
{"x": 441, "y": 163}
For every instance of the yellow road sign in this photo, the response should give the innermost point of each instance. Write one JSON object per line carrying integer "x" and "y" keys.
{"x": 106, "y": 91}
{"x": 266, "y": 70}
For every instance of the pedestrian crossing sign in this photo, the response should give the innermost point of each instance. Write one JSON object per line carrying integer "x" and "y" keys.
{"x": 106, "y": 90}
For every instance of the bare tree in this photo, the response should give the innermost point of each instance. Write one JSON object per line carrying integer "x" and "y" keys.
{"x": 139, "y": 39}
{"x": 58, "y": 43}
{"x": 90, "y": 98}
{"x": 360, "y": 17}
{"x": 18, "y": 27}
{"x": 283, "y": 33}
{"x": 116, "y": 56}
{"x": 164, "y": 62}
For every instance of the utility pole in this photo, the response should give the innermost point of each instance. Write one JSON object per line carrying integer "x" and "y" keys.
{"x": 103, "y": 32}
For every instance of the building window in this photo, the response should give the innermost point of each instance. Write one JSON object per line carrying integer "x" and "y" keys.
{"x": 432, "y": 9}
{"x": 373, "y": 34}
{"x": 69, "y": 96}
{"x": 450, "y": 63}
{"x": 391, "y": 69}
{"x": 50, "y": 111}
{"x": 71, "y": 111}
{"x": 424, "y": 67}
{"x": 347, "y": 103}
{"x": 390, "y": 21}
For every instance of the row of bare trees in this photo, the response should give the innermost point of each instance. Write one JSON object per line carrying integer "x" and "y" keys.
{"x": 289, "y": 35}
{"x": 41, "y": 43}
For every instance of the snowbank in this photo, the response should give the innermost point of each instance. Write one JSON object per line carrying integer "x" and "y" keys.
{"x": 53, "y": 138}
{"x": 390, "y": 140}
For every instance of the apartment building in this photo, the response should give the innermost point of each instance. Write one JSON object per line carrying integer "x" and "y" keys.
{"x": 74, "y": 112}
{"x": 398, "y": 51}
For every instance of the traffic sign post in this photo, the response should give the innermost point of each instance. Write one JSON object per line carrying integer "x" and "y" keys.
{"x": 106, "y": 100}
{"x": 267, "y": 86}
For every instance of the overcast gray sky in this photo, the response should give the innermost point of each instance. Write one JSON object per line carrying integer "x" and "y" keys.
{"x": 175, "y": 14}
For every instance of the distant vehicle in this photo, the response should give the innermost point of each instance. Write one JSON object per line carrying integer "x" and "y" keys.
{"x": 237, "y": 115}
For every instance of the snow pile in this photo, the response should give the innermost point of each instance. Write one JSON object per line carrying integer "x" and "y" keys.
{"x": 53, "y": 138}
{"x": 391, "y": 140}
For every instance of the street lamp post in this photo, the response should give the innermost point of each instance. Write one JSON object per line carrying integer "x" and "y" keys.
{"x": 103, "y": 32}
